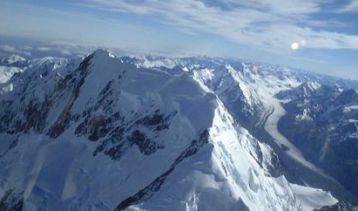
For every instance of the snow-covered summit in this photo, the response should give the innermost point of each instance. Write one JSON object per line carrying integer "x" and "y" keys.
{"x": 12, "y": 60}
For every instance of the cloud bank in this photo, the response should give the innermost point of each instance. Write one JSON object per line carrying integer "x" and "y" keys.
{"x": 267, "y": 24}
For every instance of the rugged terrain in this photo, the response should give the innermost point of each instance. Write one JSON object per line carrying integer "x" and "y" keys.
{"x": 154, "y": 133}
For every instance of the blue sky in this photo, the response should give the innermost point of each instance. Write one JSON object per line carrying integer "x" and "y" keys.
{"x": 325, "y": 32}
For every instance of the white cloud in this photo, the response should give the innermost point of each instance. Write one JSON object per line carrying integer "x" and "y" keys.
{"x": 7, "y": 48}
{"x": 268, "y": 24}
{"x": 12, "y": 49}
{"x": 351, "y": 7}
{"x": 282, "y": 7}
{"x": 43, "y": 48}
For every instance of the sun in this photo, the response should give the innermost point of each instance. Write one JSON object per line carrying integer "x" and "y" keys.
{"x": 295, "y": 46}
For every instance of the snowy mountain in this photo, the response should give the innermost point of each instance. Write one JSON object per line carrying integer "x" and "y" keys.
{"x": 10, "y": 65}
{"x": 334, "y": 114}
{"x": 155, "y": 133}
{"x": 257, "y": 94}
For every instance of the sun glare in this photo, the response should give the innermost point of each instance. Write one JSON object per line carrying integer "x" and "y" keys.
{"x": 295, "y": 46}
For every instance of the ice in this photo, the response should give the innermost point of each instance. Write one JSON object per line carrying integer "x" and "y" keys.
{"x": 312, "y": 198}
{"x": 7, "y": 72}
{"x": 350, "y": 108}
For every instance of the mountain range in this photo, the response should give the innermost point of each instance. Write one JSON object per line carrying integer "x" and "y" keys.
{"x": 103, "y": 132}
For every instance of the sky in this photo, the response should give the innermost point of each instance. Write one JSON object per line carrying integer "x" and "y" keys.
{"x": 316, "y": 35}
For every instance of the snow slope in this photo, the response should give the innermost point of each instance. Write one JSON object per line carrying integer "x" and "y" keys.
{"x": 260, "y": 89}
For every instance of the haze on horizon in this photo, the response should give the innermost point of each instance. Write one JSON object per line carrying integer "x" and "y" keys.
{"x": 316, "y": 35}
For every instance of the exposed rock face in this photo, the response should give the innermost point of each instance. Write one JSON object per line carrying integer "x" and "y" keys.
{"x": 11, "y": 200}
{"x": 76, "y": 82}
{"x": 147, "y": 192}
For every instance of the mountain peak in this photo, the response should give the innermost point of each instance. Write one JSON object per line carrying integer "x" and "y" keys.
{"x": 102, "y": 53}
